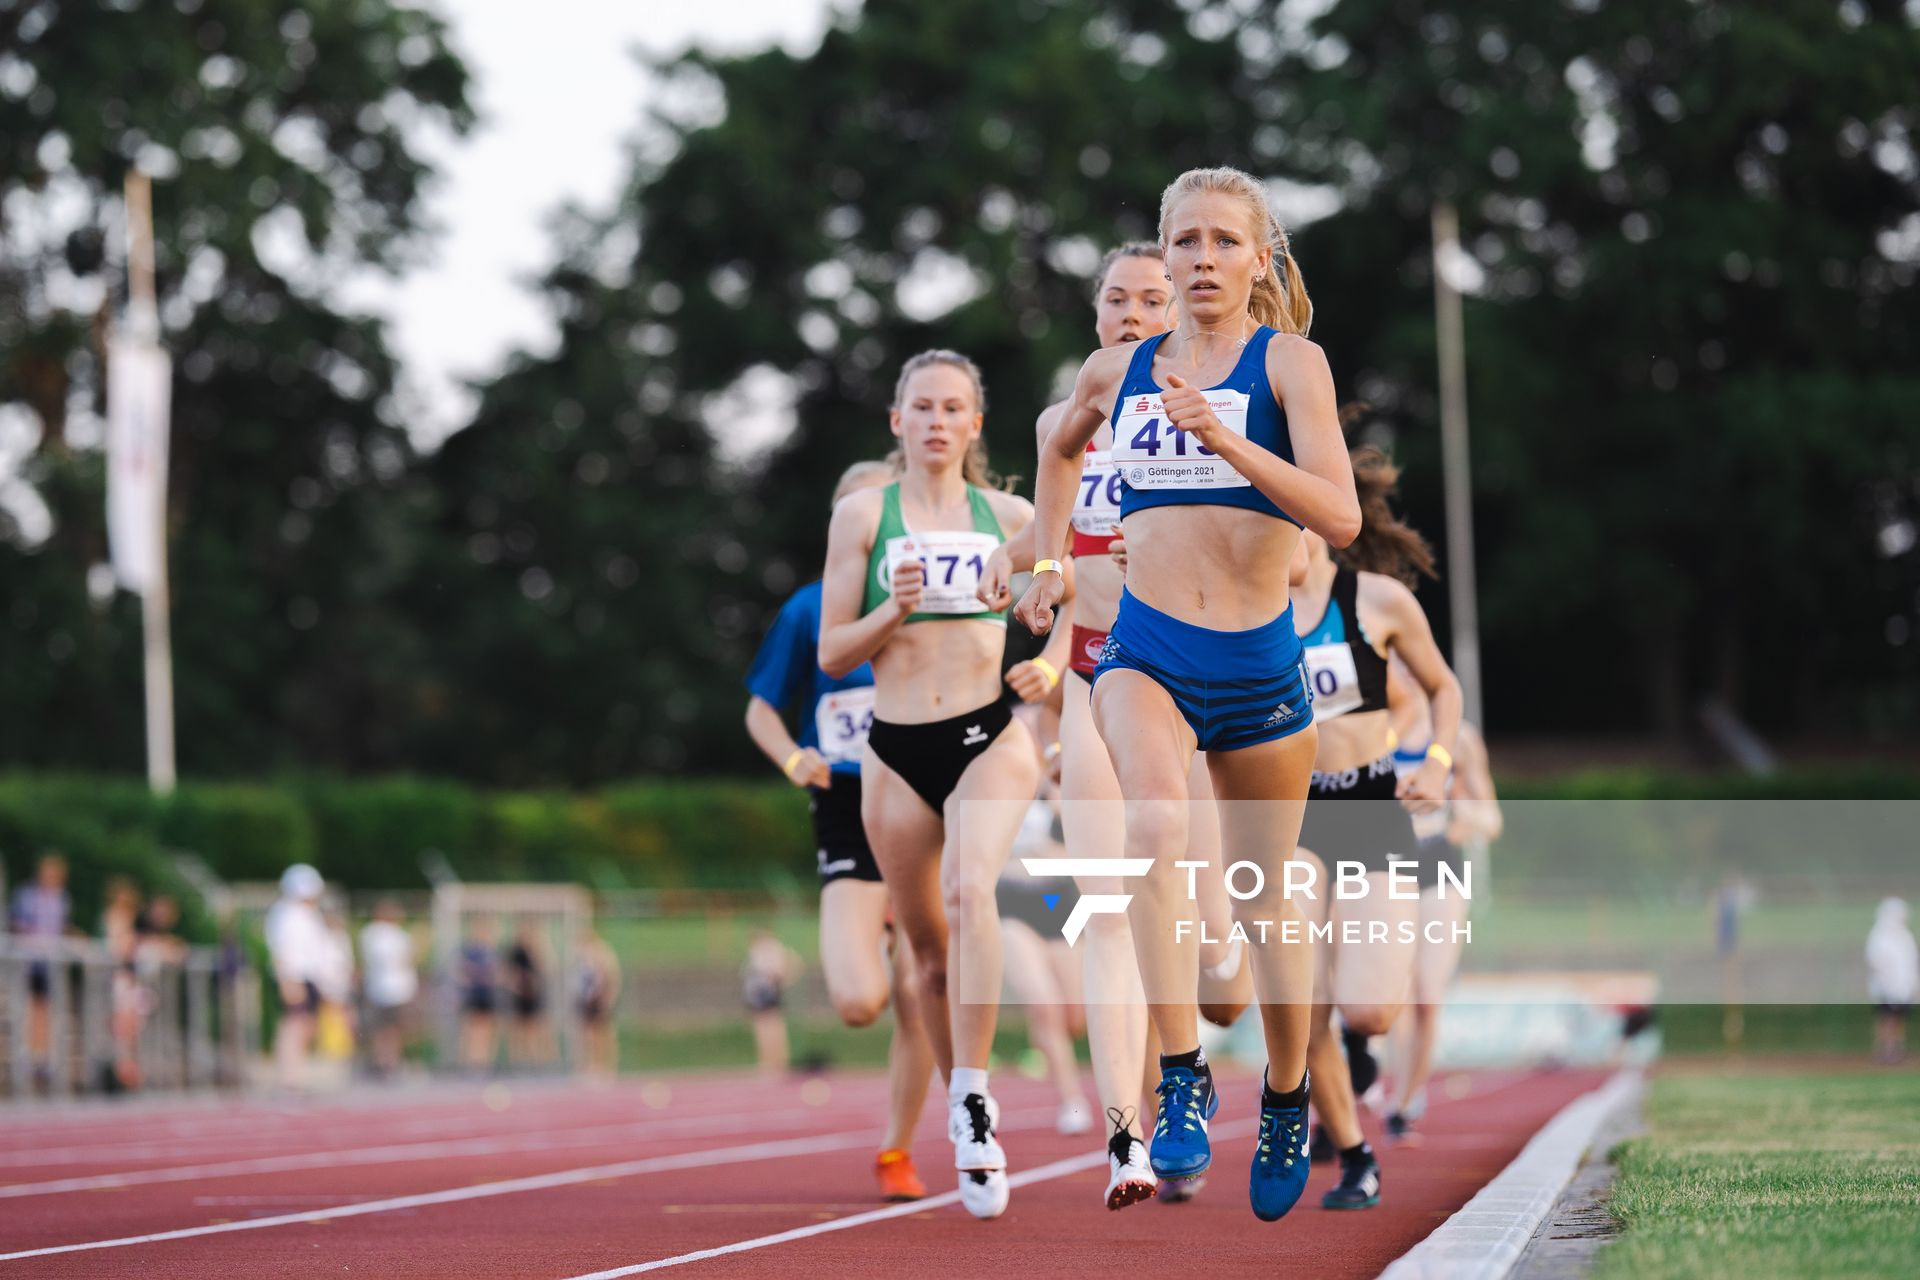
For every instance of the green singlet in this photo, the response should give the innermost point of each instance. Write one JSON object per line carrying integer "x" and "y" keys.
{"x": 954, "y": 561}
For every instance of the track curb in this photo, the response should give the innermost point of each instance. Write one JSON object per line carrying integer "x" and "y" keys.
{"x": 1485, "y": 1238}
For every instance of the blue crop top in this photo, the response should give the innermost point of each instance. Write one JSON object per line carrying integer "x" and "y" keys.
{"x": 1161, "y": 466}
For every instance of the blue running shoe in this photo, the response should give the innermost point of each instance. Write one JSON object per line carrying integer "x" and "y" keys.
{"x": 1187, "y": 1102}
{"x": 1279, "y": 1161}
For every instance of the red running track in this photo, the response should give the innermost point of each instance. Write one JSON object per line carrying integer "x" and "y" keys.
{"x": 559, "y": 1181}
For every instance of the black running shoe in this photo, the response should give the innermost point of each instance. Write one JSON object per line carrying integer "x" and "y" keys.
{"x": 1359, "y": 1185}
{"x": 1320, "y": 1149}
{"x": 1398, "y": 1126}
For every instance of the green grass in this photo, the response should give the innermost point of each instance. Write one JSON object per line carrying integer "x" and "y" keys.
{"x": 1771, "y": 1175}
{"x": 714, "y": 938}
{"x": 1694, "y": 1029}
{"x": 1508, "y": 933}
{"x": 1517, "y": 929}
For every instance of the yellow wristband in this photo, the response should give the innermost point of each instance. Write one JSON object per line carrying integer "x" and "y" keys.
{"x": 1048, "y": 566}
{"x": 1053, "y": 677}
{"x": 798, "y": 755}
{"x": 1440, "y": 753}
{"x": 1393, "y": 739}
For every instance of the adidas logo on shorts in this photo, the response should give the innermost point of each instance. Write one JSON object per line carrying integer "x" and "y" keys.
{"x": 975, "y": 736}
{"x": 1281, "y": 714}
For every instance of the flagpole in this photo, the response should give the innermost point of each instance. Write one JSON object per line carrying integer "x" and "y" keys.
{"x": 143, "y": 319}
{"x": 1450, "y": 334}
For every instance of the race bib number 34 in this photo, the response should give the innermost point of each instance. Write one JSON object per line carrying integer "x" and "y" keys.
{"x": 1151, "y": 453}
{"x": 954, "y": 562}
{"x": 843, "y": 720}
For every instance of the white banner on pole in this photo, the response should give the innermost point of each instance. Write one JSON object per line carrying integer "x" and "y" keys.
{"x": 139, "y": 394}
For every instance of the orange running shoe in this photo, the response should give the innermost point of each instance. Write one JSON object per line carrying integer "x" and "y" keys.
{"x": 898, "y": 1181}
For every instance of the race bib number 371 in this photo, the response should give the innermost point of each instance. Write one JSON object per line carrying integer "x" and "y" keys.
{"x": 954, "y": 562}
{"x": 1151, "y": 453}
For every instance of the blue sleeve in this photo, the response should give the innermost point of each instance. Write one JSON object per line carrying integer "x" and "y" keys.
{"x": 785, "y": 663}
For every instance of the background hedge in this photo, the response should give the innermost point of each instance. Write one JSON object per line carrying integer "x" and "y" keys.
{"x": 379, "y": 833}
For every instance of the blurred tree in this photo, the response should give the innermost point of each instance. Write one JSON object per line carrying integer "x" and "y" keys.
{"x": 624, "y": 515}
{"x": 1691, "y": 233}
{"x": 1692, "y": 350}
{"x": 1655, "y": 376}
{"x": 282, "y": 139}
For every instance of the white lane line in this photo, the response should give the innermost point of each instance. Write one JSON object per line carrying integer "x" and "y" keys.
{"x": 541, "y": 1182}
{"x": 404, "y": 1152}
{"x": 512, "y": 1186}
{"x": 519, "y": 1122}
{"x": 1484, "y": 1239}
{"x": 1044, "y": 1173}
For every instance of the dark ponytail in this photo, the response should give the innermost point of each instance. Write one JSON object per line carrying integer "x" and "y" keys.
{"x": 1387, "y": 544}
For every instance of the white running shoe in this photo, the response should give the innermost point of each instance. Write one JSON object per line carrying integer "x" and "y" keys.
{"x": 971, "y": 1121}
{"x": 1129, "y": 1173}
{"x": 985, "y": 1192}
{"x": 1074, "y": 1119}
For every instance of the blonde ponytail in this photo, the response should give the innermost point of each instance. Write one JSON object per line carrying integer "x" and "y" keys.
{"x": 1297, "y": 317}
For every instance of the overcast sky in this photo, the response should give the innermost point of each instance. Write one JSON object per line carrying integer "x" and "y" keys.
{"x": 558, "y": 92}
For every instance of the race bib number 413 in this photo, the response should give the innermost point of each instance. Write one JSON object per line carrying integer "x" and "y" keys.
{"x": 1151, "y": 453}
{"x": 954, "y": 562}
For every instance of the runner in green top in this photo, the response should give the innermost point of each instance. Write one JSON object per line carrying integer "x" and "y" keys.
{"x": 948, "y": 773}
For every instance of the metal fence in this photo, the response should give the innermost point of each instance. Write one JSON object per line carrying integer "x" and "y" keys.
{"x": 74, "y": 1020}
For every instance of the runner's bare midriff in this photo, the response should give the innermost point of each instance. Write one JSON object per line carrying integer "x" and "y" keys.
{"x": 936, "y": 670}
{"x": 1222, "y": 568}
{"x": 1351, "y": 740}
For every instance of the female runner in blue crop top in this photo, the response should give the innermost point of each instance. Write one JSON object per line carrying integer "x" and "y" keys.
{"x": 1227, "y": 436}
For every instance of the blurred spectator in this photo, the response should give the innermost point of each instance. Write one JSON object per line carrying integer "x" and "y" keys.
{"x": 1893, "y": 978}
{"x": 596, "y": 994}
{"x": 479, "y": 994}
{"x": 529, "y": 1036}
{"x": 333, "y": 1023}
{"x": 120, "y": 932}
{"x": 40, "y": 912}
{"x": 157, "y": 941}
{"x": 390, "y": 981}
{"x": 771, "y": 965}
{"x": 298, "y": 944}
